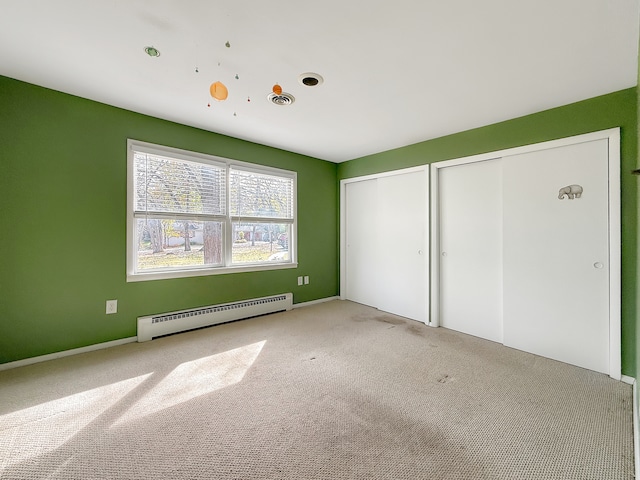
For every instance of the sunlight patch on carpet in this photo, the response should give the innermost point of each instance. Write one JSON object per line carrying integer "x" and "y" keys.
{"x": 192, "y": 379}
{"x": 43, "y": 428}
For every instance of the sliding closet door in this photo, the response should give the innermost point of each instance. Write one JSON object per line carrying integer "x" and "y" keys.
{"x": 361, "y": 242}
{"x": 403, "y": 252}
{"x": 385, "y": 243}
{"x": 556, "y": 254}
{"x": 470, "y": 256}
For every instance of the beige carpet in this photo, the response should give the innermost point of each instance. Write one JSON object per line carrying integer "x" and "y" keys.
{"x": 332, "y": 391}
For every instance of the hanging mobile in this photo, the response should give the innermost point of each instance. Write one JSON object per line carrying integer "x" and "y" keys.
{"x": 219, "y": 91}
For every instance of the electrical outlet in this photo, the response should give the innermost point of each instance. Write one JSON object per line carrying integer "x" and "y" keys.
{"x": 112, "y": 306}
{"x": 306, "y": 279}
{"x": 299, "y": 280}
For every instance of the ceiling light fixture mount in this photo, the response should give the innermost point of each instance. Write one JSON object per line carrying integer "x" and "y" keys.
{"x": 310, "y": 79}
{"x": 152, "y": 52}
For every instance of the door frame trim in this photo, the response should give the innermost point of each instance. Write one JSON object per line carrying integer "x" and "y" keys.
{"x": 613, "y": 137}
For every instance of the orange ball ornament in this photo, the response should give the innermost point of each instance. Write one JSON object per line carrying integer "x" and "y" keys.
{"x": 277, "y": 89}
{"x": 219, "y": 91}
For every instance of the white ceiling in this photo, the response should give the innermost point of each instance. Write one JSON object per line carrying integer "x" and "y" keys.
{"x": 396, "y": 72}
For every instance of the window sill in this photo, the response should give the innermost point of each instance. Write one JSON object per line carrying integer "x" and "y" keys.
{"x": 164, "y": 275}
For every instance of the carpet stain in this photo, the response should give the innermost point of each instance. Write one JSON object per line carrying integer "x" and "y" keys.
{"x": 416, "y": 330}
{"x": 445, "y": 379}
{"x": 389, "y": 319}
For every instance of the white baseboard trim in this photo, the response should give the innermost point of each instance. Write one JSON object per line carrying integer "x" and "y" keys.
{"x": 626, "y": 379}
{"x": 636, "y": 430}
{"x": 66, "y": 353}
{"x": 636, "y": 426}
{"x": 315, "y": 302}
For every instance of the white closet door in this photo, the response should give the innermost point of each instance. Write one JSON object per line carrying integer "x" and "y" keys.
{"x": 556, "y": 265}
{"x": 470, "y": 200}
{"x": 386, "y": 243}
{"x": 362, "y": 219}
{"x": 402, "y": 241}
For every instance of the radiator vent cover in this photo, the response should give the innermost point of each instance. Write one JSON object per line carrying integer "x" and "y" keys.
{"x": 153, "y": 326}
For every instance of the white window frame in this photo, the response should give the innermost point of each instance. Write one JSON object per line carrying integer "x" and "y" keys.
{"x": 227, "y": 241}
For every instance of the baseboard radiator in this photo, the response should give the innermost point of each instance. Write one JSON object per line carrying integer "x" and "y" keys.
{"x": 173, "y": 322}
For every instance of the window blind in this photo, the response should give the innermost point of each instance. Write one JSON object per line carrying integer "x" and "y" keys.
{"x": 260, "y": 195}
{"x": 170, "y": 185}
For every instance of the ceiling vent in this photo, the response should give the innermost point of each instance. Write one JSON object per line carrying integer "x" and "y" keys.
{"x": 281, "y": 99}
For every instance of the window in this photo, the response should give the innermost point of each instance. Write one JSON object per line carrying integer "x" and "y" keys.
{"x": 194, "y": 214}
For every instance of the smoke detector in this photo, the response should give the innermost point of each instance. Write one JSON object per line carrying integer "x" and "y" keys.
{"x": 281, "y": 99}
{"x": 310, "y": 79}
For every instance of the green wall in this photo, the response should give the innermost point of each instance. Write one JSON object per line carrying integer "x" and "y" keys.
{"x": 637, "y": 313}
{"x": 63, "y": 213}
{"x": 63, "y": 216}
{"x": 617, "y": 109}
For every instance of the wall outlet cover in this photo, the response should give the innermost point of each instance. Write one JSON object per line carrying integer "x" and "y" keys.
{"x": 112, "y": 306}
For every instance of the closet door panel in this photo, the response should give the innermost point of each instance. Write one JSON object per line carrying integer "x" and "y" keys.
{"x": 470, "y": 212}
{"x": 403, "y": 255}
{"x": 362, "y": 219}
{"x": 556, "y": 268}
